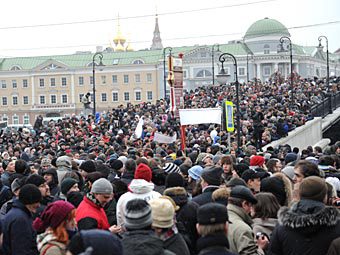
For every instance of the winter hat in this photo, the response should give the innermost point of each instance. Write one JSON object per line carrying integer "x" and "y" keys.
{"x": 275, "y": 186}
{"x": 138, "y": 214}
{"x": 123, "y": 159}
{"x": 289, "y": 172}
{"x": 75, "y": 198}
{"x": 64, "y": 161}
{"x": 102, "y": 186}
{"x": 163, "y": 213}
{"x": 88, "y": 166}
{"x": 184, "y": 168}
{"x": 313, "y": 188}
{"x": 211, "y": 214}
{"x": 195, "y": 172}
{"x": 35, "y": 179}
{"x": 212, "y": 175}
{"x": 171, "y": 168}
{"x": 45, "y": 162}
{"x": 144, "y": 172}
{"x": 256, "y": 161}
{"x": 67, "y": 184}
{"x": 243, "y": 193}
{"x": 53, "y": 215}
{"x": 174, "y": 180}
{"x": 16, "y": 184}
{"x": 116, "y": 164}
{"x": 235, "y": 181}
{"x": 253, "y": 174}
{"x": 290, "y": 157}
{"x": 29, "y": 194}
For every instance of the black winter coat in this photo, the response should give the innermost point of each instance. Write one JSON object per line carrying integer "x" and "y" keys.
{"x": 215, "y": 244}
{"x": 205, "y": 197}
{"x": 19, "y": 237}
{"x": 177, "y": 245}
{"x": 307, "y": 228}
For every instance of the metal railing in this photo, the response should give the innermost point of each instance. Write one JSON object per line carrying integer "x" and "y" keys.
{"x": 327, "y": 106}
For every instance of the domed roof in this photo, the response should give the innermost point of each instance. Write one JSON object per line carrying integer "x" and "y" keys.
{"x": 266, "y": 27}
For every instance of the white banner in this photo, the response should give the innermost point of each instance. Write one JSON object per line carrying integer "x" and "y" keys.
{"x": 139, "y": 128}
{"x": 158, "y": 137}
{"x": 200, "y": 116}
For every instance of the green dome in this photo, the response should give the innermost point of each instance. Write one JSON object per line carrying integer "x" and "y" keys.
{"x": 266, "y": 27}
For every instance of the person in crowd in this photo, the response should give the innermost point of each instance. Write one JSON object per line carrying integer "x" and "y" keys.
{"x": 163, "y": 214}
{"x": 19, "y": 237}
{"x": 51, "y": 177}
{"x": 253, "y": 179}
{"x": 64, "y": 165}
{"x": 274, "y": 165}
{"x": 56, "y": 224}
{"x": 308, "y": 226}
{"x": 67, "y": 186}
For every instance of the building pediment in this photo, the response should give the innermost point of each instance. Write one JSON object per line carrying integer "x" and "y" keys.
{"x": 51, "y": 64}
{"x": 198, "y": 54}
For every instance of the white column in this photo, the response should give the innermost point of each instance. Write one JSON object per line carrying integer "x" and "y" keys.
{"x": 258, "y": 72}
{"x": 33, "y": 91}
{"x": 296, "y": 69}
{"x": 276, "y": 67}
{"x": 72, "y": 89}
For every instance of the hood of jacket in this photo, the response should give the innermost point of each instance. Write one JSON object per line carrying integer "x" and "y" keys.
{"x": 178, "y": 194}
{"x": 308, "y": 216}
{"x": 140, "y": 186}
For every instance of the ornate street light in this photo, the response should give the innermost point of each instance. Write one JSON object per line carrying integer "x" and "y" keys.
{"x": 213, "y": 61}
{"x": 282, "y": 39}
{"x": 100, "y": 56}
{"x": 164, "y": 61}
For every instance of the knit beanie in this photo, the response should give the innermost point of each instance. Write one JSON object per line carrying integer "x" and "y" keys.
{"x": 195, "y": 172}
{"x": 212, "y": 175}
{"x": 102, "y": 186}
{"x": 144, "y": 172}
{"x": 163, "y": 212}
{"x": 67, "y": 184}
{"x": 137, "y": 214}
{"x": 290, "y": 157}
{"x": 75, "y": 198}
{"x": 256, "y": 160}
{"x": 35, "y": 179}
{"x": 174, "y": 180}
{"x": 88, "y": 166}
{"x": 313, "y": 188}
{"x": 171, "y": 168}
{"x": 116, "y": 164}
{"x": 53, "y": 215}
{"x": 29, "y": 194}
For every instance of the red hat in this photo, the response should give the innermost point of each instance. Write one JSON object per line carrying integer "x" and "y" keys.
{"x": 256, "y": 161}
{"x": 53, "y": 215}
{"x": 143, "y": 172}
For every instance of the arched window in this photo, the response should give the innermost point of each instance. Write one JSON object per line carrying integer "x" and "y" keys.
{"x": 203, "y": 74}
{"x": 15, "y": 68}
{"x": 266, "y": 49}
{"x": 138, "y": 62}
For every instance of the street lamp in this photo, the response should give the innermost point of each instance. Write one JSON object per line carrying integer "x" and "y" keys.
{"x": 248, "y": 64}
{"x": 327, "y": 82}
{"x": 282, "y": 39}
{"x": 100, "y": 55}
{"x": 223, "y": 75}
{"x": 213, "y": 61}
{"x": 164, "y": 75}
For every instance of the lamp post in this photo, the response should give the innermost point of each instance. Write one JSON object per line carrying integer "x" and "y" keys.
{"x": 247, "y": 65}
{"x": 164, "y": 61}
{"x": 327, "y": 59}
{"x": 100, "y": 55}
{"x": 282, "y": 39}
{"x": 223, "y": 74}
{"x": 213, "y": 61}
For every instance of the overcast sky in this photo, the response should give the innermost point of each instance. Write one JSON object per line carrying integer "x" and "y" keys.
{"x": 218, "y": 21}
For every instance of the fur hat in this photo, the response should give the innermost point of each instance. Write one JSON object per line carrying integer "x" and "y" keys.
{"x": 313, "y": 188}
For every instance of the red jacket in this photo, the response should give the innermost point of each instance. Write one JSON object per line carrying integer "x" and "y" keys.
{"x": 88, "y": 209}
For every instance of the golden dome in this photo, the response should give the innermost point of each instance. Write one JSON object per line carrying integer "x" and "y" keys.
{"x": 119, "y": 47}
{"x": 129, "y": 47}
{"x": 119, "y": 39}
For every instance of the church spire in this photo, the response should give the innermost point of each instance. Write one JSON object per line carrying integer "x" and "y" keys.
{"x": 156, "y": 41}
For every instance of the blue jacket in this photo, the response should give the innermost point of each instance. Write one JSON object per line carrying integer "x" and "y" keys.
{"x": 19, "y": 237}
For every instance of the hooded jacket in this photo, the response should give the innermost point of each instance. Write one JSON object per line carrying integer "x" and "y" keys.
{"x": 308, "y": 227}
{"x": 138, "y": 188}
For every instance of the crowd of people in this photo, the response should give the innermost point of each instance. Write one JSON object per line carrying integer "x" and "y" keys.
{"x": 91, "y": 186}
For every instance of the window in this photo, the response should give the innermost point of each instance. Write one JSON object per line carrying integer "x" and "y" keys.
{"x": 203, "y": 74}
{"x": 15, "y": 100}
{"x": 3, "y": 84}
{"x": 81, "y": 81}
{"x": 25, "y": 99}
{"x": 149, "y": 95}
{"x": 24, "y": 83}
{"x": 4, "y": 118}
{"x": 53, "y": 99}
{"x": 138, "y": 96}
{"x": 137, "y": 77}
{"x": 14, "y": 84}
{"x": 241, "y": 71}
{"x": 114, "y": 79}
{"x": 185, "y": 74}
{"x": 115, "y": 96}
{"x": 138, "y": 62}
{"x": 149, "y": 77}
{"x": 15, "y": 119}
{"x": 4, "y": 100}
{"x": 126, "y": 78}
{"x": 80, "y": 97}
{"x": 42, "y": 100}
{"x": 52, "y": 82}
{"x": 104, "y": 97}
{"x": 103, "y": 78}
{"x": 91, "y": 80}
{"x": 41, "y": 82}
{"x": 64, "y": 99}
{"x": 266, "y": 49}
{"x": 126, "y": 96}
{"x": 26, "y": 120}
{"x": 63, "y": 81}
{"x": 266, "y": 71}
